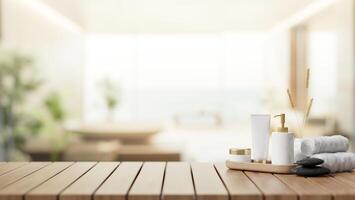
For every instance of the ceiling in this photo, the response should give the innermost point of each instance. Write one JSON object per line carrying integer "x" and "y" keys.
{"x": 111, "y": 16}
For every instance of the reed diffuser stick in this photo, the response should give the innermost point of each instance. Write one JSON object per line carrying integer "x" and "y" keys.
{"x": 293, "y": 108}
{"x": 309, "y": 107}
{"x": 290, "y": 98}
{"x": 307, "y": 77}
{"x": 310, "y": 102}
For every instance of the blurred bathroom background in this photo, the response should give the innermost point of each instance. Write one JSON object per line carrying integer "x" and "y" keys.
{"x": 169, "y": 79}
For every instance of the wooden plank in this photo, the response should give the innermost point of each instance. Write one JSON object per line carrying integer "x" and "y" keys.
{"x": 271, "y": 186}
{"x": 339, "y": 189}
{"x": 208, "y": 185}
{"x": 7, "y": 167}
{"x": 305, "y": 189}
{"x": 17, "y": 174}
{"x": 54, "y": 186}
{"x": 149, "y": 182}
{"x": 84, "y": 188}
{"x": 346, "y": 177}
{"x": 17, "y": 190}
{"x": 116, "y": 187}
{"x": 240, "y": 187}
{"x": 178, "y": 182}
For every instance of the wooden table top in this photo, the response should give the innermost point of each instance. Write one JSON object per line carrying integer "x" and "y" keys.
{"x": 160, "y": 180}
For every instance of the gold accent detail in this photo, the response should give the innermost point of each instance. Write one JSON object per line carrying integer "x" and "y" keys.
{"x": 236, "y": 151}
{"x": 290, "y": 98}
{"x": 260, "y": 161}
{"x": 282, "y": 121}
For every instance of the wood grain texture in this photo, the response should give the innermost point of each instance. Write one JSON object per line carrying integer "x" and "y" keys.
{"x": 7, "y": 167}
{"x": 271, "y": 186}
{"x": 178, "y": 184}
{"x": 149, "y": 182}
{"x": 305, "y": 189}
{"x": 54, "y": 186}
{"x": 85, "y": 186}
{"x": 158, "y": 180}
{"x": 240, "y": 187}
{"x": 17, "y": 174}
{"x": 17, "y": 190}
{"x": 346, "y": 177}
{"x": 116, "y": 187}
{"x": 339, "y": 189}
{"x": 208, "y": 185}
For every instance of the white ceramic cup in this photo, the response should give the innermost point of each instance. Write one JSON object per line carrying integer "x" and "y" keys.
{"x": 260, "y": 130}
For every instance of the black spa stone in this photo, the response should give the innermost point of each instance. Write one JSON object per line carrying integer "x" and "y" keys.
{"x": 310, "y": 162}
{"x": 311, "y": 171}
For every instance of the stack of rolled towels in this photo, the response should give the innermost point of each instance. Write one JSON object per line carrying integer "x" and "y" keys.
{"x": 331, "y": 149}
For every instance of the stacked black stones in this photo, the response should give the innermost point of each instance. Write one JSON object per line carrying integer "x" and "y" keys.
{"x": 308, "y": 167}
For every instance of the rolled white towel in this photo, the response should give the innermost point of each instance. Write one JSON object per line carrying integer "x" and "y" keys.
{"x": 337, "y": 162}
{"x": 321, "y": 144}
{"x": 298, "y": 155}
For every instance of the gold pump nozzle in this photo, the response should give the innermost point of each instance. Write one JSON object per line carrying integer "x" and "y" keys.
{"x": 282, "y": 121}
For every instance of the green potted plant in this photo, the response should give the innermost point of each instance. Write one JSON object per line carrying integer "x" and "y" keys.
{"x": 55, "y": 108}
{"x": 111, "y": 95}
{"x": 18, "y": 81}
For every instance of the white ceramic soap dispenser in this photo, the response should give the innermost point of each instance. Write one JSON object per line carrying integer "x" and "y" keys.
{"x": 282, "y": 144}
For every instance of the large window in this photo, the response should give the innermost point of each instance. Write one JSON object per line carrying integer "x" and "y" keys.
{"x": 322, "y": 59}
{"x": 161, "y": 75}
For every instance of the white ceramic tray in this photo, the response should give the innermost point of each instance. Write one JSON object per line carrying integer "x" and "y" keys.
{"x": 260, "y": 167}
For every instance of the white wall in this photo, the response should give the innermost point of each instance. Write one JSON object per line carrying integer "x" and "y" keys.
{"x": 55, "y": 43}
{"x": 277, "y": 69}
